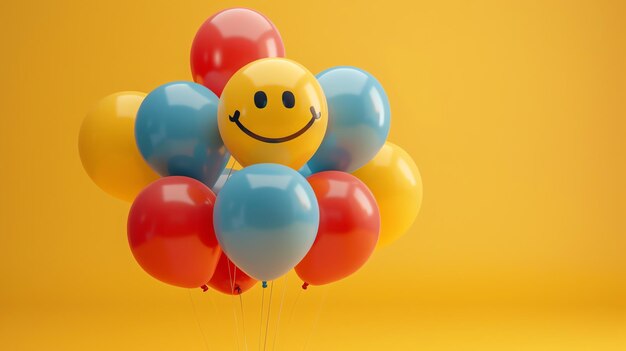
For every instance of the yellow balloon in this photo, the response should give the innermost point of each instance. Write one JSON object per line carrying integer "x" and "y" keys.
{"x": 108, "y": 150}
{"x": 273, "y": 111}
{"x": 395, "y": 181}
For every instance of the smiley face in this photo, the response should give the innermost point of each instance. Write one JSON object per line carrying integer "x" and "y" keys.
{"x": 273, "y": 111}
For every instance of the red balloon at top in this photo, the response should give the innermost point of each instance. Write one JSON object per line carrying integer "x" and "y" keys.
{"x": 229, "y": 40}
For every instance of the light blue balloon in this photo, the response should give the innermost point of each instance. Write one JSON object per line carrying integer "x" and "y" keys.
{"x": 266, "y": 218}
{"x": 176, "y": 132}
{"x": 358, "y": 120}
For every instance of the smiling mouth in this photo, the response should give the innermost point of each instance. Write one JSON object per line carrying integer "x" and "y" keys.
{"x": 314, "y": 116}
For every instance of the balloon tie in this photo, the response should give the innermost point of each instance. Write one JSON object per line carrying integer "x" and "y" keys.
{"x": 305, "y": 285}
{"x": 264, "y": 284}
{"x": 204, "y": 288}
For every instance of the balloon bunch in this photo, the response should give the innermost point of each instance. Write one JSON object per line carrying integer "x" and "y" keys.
{"x": 320, "y": 187}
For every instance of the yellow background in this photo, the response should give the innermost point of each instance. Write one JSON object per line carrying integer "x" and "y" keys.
{"x": 513, "y": 110}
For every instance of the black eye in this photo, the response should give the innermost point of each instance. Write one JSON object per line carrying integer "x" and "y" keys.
{"x": 260, "y": 99}
{"x": 288, "y": 99}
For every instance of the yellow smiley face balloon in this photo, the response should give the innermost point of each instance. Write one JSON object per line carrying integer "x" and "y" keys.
{"x": 273, "y": 111}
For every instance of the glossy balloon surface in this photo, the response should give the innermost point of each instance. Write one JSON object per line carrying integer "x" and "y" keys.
{"x": 359, "y": 120}
{"x": 229, "y": 279}
{"x": 170, "y": 231}
{"x": 273, "y": 111}
{"x": 108, "y": 150}
{"x": 266, "y": 219}
{"x": 228, "y": 41}
{"x": 177, "y": 133}
{"x": 395, "y": 181}
{"x": 348, "y": 230}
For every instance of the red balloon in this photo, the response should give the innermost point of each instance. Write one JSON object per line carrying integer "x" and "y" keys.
{"x": 229, "y": 279}
{"x": 170, "y": 231}
{"x": 229, "y": 40}
{"x": 348, "y": 230}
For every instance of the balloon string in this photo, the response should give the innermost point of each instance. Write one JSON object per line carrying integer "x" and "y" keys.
{"x": 261, "y": 318}
{"x": 232, "y": 289}
{"x": 231, "y": 169}
{"x": 317, "y": 318}
{"x": 293, "y": 309}
{"x": 243, "y": 321}
{"x": 232, "y": 278}
{"x": 235, "y": 287}
{"x": 213, "y": 305}
{"x": 216, "y": 310}
{"x": 232, "y": 303}
{"x": 195, "y": 314}
{"x": 269, "y": 307}
{"x": 280, "y": 310}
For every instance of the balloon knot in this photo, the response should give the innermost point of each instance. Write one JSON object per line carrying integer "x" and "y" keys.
{"x": 204, "y": 288}
{"x": 264, "y": 283}
{"x": 237, "y": 290}
{"x": 305, "y": 285}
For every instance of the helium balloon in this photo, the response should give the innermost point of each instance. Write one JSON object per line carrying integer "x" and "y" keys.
{"x": 228, "y": 41}
{"x": 359, "y": 120}
{"x": 177, "y": 134}
{"x": 229, "y": 279}
{"x": 273, "y": 111}
{"x": 395, "y": 181}
{"x": 348, "y": 231}
{"x": 266, "y": 218}
{"x": 107, "y": 148}
{"x": 170, "y": 231}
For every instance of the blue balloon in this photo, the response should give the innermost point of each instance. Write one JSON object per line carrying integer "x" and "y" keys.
{"x": 176, "y": 132}
{"x": 358, "y": 122}
{"x": 266, "y": 219}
